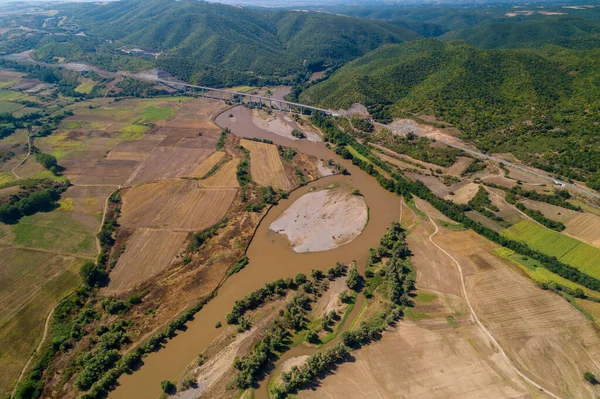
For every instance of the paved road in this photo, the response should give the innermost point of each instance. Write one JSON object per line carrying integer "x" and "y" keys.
{"x": 525, "y": 169}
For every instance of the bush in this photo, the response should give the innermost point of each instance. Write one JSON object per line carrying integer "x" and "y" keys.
{"x": 167, "y": 386}
{"x": 589, "y": 377}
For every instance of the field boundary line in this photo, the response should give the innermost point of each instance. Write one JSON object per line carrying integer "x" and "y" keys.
{"x": 474, "y": 314}
{"x": 24, "y": 159}
{"x": 37, "y": 349}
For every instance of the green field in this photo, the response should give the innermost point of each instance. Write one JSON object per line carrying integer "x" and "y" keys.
{"x": 568, "y": 250}
{"x": 21, "y": 331}
{"x": 7, "y": 106}
{"x": 55, "y": 231}
{"x": 157, "y": 113}
{"x": 9, "y": 95}
{"x": 86, "y": 86}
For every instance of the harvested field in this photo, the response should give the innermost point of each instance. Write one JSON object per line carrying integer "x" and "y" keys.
{"x": 31, "y": 283}
{"x": 463, "y": 194}
{"x": 420, "y": 360}
{"x": 487, "y": 222}
{"x": 206, "y": 165}
{"x": 266, "y": 167}
{"x": 553, "y": 212}
{"x": 180, "y": 205}
{"x": 87, "y": 204}
{"x": 323, "y": 220}
{"x": 225, "y": 177}
{"x": 568, "y": 250}
{"x": 434, "y": 184}
{"x": 585, "y": 227}
{"x": 107, "y": 171}
{"x": 458, "y": 167}
{"x": 148, "y": 253}
{"x": 548, "y": 339}
{"x": 168, "y": 163}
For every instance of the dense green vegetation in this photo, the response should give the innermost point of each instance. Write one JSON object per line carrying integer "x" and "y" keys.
{"x": 565, "y": 31}
{"x": 541, "y": 105}
{"x": 216, "y": 44}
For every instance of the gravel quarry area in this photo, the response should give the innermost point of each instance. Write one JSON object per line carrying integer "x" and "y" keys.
{"x": 323, "y": 220}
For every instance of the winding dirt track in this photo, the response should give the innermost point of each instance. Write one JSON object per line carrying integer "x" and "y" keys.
{"x": 476, "y": 318}
{"x": 46, "y": 328}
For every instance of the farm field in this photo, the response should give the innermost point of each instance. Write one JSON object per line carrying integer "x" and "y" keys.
{"x": 183, "y": 205}
{"x": 206, "y": 165}
{"x": 585, "y": 227}
{"x": 266, "y": 167}
{"x": 31, "y": 283}
{"x": 148, "y": 253}
{"x": 568, "y": 250}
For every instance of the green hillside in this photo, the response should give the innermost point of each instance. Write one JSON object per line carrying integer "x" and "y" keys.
{"x": 200, "y": 40}
{"x": 568, "y": 32}
{"x": 542, "y": 105}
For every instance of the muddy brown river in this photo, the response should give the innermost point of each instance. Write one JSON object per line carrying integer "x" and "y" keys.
{"x": 271, "y": 257}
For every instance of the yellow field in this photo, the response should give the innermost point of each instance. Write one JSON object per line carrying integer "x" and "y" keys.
{"x": 206, "y": 165}
{"x": 148, "y": 252}
{"x": 266, "y": 167}
{"x": 225, "y": 177}
{"x": 183, "y": 205}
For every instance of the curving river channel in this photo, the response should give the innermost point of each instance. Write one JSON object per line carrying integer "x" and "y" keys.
{"x": 271, "y": 257}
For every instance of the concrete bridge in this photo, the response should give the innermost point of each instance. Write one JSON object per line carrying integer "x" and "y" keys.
{"x": 238, "y": 97}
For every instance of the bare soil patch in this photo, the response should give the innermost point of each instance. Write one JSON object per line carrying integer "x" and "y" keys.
{"x": 182, "y": 205}
{"x": 148, "y": 252}
{"x": 323, "y": 220}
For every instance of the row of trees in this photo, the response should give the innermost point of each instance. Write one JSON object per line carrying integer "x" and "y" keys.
{"x": 407, "y": 188}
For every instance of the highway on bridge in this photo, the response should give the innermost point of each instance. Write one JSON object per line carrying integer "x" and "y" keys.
{"x": 297, "y": 107}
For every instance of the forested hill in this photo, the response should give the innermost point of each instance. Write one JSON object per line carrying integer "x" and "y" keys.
{"x": 567, "y": 31}
{"x": 542, "y": 105}
{"x": 260, "y": 42}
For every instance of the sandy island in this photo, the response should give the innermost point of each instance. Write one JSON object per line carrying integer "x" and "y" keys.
{"x": 323, "y": 220}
